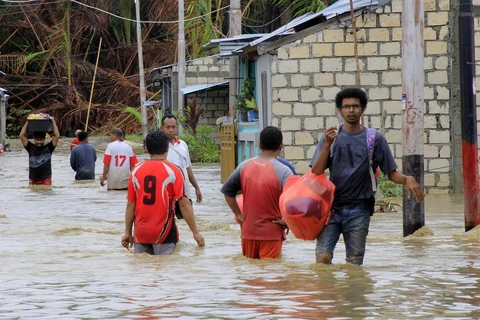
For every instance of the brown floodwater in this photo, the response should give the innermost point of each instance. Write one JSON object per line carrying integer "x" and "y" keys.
{"x": 61, "y": 258}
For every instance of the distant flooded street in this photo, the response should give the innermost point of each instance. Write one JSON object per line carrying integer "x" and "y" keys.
{"x": 62, "y": 259}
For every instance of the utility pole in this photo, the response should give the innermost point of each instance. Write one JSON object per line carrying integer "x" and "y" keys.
{"x": 235, "y": 29}
{"x": 412, "y": 109}
{"x": 468, "y": 115}
{"x": 181, "y": 55}
{"x": 141, "y": 71}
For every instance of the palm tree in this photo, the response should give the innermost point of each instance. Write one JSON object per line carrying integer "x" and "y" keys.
{"x": 49, "y": 52}
{"x": 50, "y": 56}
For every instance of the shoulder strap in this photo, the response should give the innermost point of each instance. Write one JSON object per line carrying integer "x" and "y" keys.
{"x": 182, "y": 157}
{"x": 371, "y": 133}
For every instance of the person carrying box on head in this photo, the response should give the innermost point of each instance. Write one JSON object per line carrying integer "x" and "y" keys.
{"x": 39, "y": 153}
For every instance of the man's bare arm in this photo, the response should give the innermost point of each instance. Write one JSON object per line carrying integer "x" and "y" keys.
{"x": 23, "y": 135}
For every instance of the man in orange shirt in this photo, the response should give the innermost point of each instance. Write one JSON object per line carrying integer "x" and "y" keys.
{"x": 153, "y": 187}
{"x": 261, "y": 181}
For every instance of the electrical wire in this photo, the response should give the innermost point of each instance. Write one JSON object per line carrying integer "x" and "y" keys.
{"x": 19, "y": 1}
{"x": 150, "y": 22}
{"x": 27, "y": 4}
{"x": 123, "y": 18}
{"x": 269, "y": 23}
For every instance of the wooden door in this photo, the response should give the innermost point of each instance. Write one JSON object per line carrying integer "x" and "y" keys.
{"x": 226, "y": 134}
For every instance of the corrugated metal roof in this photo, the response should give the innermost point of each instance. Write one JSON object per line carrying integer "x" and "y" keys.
{"x": 286, "y": 28}
{"x": 240, "y": 38}
{"x": 200, "y": 87}
{"x": 309, "y": 19}
{"x": 227, "y": 48}
{"x": 230, "y": 45}
{"x": 343, "y": 6}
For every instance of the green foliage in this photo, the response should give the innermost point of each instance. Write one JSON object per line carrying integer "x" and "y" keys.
{"x": 202, "y": 145}
{"x": 13, "y": 118}
{"x": 134, "y": 137}
{"x": 134, "y": 112}
{"x": 212, "y": 25}
{"x": 300, "y": 7}
{"x": 245, "y": 99}
{"x": 192, "y": 115}
{"x": 389, "y": 188}
{"x": 35, "y": 55}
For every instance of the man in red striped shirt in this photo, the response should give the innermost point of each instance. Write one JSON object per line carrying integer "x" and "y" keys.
{"x": 261, "y": 180}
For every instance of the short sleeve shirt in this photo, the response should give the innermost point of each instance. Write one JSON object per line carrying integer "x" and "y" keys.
{"x": 120, "y": 157}
{"x": 179, "y": 155}
{"x": 39, "y": 161}
{"x": 261, "y": 181}
{"x": 349, "y": 165}
{"x": 154, "y": 185}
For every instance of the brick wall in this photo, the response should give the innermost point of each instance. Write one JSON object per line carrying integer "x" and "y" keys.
{"x": 215, "y": 104}
{"x": 207, "y": 70}
{"x": 307, "y": 75}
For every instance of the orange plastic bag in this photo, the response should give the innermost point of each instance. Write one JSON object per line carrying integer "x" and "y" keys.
{"x": 305, "y": 204}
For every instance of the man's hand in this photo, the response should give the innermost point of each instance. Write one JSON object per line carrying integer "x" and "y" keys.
{"x": 413, "y": 188}
{"x": 102, "y": 181}
{"x": 199, "y": 238}
{"x": 239, "y": 218}
{"x": 330, "y": 135}
{"x": 127, "y": 241}
{"x": 199, "y": 195}
{"x": 283, "y": 224}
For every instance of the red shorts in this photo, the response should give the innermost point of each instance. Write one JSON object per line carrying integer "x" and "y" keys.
{"x": 46, "y": 182}
{"x": 260, "y": 249}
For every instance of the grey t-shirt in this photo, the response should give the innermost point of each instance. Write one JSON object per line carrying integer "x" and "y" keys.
{"x": 348, "y": 166}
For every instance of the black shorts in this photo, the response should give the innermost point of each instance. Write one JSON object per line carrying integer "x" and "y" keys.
{"x": 178, "y": 212}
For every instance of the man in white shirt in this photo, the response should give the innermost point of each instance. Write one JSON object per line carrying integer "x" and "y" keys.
{"x": 179, "y": 155}
{"x": 118, "y": 161}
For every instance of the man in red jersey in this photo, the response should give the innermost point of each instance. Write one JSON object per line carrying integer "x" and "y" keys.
{"x": 261, "y": 181}
{"x": 153, "y": 187}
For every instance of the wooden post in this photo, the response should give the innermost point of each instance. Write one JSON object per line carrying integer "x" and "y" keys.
{"x": 93, "y": 84}
{"x": 468, "y": 115}
{"x": 355, "y": 42}
{"x": 181, "y": 56}
{"x": 355, "y": 48}
{"x": 412, "y": 109}
{"x": 235, "y": 29}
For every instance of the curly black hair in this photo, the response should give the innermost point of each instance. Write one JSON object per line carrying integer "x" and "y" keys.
{"x": 351, "y": 93}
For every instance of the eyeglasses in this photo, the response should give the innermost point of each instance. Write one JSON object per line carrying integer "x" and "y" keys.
{"x": 350, "y": 106}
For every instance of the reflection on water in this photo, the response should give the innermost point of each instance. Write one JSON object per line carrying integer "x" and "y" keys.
{"x": 62, "y": 259}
